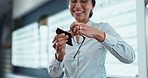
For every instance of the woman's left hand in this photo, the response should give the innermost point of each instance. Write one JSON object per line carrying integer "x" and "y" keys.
{"x": 88, "y": 31}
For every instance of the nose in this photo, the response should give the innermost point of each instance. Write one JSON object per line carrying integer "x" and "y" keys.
{"x": 78, "y": 5}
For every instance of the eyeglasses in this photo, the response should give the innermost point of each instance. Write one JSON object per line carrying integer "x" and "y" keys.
{"x": 79, "y": 40}
{"x": 82, "y": 2}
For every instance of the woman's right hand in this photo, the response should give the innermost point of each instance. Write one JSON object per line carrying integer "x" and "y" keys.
{"x": 59, "y": 45}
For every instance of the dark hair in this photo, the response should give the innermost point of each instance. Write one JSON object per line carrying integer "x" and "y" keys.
{"x": 94, "y": 2}
{"x": 91, "y": 12}
{"x": 44, "y": 16}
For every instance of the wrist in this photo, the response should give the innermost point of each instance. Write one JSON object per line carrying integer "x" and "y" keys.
{"x": 99, "y": 36}
{"x": 59, "y": 57}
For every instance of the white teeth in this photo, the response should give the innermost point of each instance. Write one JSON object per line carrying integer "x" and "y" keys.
{"x": 78, "y": 11}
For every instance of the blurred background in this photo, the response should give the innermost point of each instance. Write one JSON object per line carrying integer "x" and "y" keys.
{"x": 27, "y": 28}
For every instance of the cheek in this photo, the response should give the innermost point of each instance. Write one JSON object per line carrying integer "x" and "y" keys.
{"x": 71, "y": 10}
{"x": 88, "y": 9}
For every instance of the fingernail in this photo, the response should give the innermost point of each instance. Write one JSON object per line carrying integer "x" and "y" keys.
{"x": 67, "y": 36}
{"x": 56, "y": 43}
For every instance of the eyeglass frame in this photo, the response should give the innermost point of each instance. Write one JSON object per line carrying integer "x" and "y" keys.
{"x": 79, "y": 46}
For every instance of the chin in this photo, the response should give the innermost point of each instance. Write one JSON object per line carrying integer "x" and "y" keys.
{"x": 78, "y": 19}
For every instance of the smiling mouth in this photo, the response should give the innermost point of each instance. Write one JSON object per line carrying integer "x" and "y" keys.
{"x": 78, "y": 12}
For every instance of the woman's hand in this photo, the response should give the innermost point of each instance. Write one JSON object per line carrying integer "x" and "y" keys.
{"x": 59, "y": 45}
{"x": 88, "y": 31}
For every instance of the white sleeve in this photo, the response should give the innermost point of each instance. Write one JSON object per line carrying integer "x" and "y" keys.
{"x": 117, "y": 46}
{"x": 55, "y": 68}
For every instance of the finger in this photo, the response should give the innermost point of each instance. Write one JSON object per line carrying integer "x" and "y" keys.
{"x": 72, "y": 34}
{"x": 66, "y": 37}
{"x": 61, "y": 35}
{"x": 54, "y": 45}
{"x": 58, "y": 36}
{"x": 62, "y": 38}
{"x": 76, "y": 29}
{"x": 72, "y": 26}
{"x": 81, "y": 32}
{"x": 60, "y": 45}
{"x": 54, "y": 39}
{"x": 84, "y": 26}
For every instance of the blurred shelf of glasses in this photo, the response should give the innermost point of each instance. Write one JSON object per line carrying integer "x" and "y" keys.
{"x": 29, "y": 48}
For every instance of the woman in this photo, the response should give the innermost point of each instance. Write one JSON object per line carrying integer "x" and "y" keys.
{"x": 100, "y": 37}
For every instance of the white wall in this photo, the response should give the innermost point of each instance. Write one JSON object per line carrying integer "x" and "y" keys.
{"x": 21, "y": 7}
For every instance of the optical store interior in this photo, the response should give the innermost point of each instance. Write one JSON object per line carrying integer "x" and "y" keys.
{"x": 28, "y": 26}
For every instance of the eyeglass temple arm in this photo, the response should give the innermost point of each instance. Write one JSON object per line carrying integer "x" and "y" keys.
{"x": 79, "y": 47}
